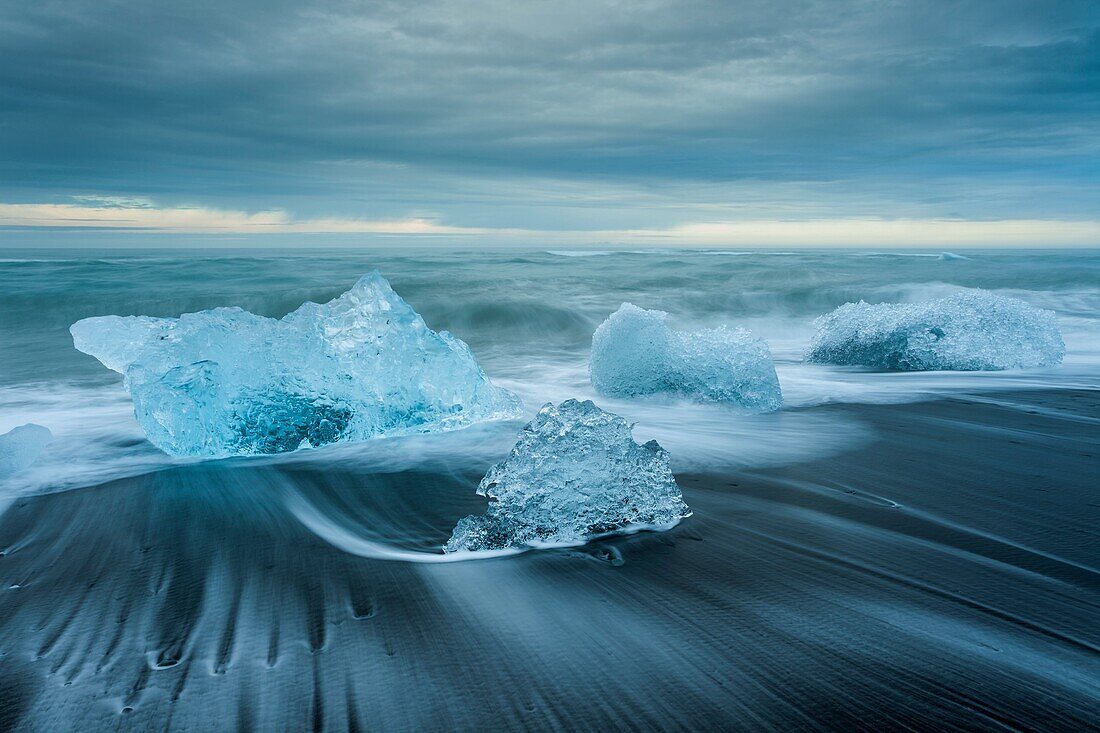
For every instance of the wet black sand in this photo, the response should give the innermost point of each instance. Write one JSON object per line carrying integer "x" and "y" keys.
{"x": 945, "y": 576}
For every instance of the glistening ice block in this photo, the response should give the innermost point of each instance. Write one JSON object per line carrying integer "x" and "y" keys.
{"x": 21, "y": 446}
{"x": 968, "y": 331}
{"x": 634, "y": 352}
{"x": 575, "y": 472}
{"x": 228, "y": 382}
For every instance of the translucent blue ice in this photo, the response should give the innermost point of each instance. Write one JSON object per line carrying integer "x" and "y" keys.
{"x": 969, "y": 331}
{"x": 634, "y": 352}
{"x": 228, "y": 382}
{"x": 21, "y": 446}
{"x": 575, "y": 472}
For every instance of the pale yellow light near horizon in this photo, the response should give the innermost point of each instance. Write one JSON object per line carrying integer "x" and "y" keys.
{"x": 205, "y": 220}
{"x": 898, "y": 232}
{"x": 852, "y": 232}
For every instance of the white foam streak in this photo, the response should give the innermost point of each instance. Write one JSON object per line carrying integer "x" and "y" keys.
{"x": 343, "y": 539}
{"x": 96, "y": 437}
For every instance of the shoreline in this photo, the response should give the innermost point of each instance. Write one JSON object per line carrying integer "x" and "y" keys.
{"x": 942, "y": 575}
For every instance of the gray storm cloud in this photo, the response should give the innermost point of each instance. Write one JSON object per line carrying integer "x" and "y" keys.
{"x": 523, "y": 114}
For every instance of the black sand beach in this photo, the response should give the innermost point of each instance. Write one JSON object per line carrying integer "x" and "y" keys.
{"x": 944, "y": 576}
{"x": 769, "y": 331}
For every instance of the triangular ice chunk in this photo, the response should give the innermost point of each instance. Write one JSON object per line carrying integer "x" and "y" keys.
{"x": 574, "y": 473}
{"x": 228, "y": 382}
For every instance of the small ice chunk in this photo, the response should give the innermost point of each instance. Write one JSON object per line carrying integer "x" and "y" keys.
{"x": 969, "y": 331}
{"x": 21, "y": 446}
{"x": 575, "y": 473}
{"x": 228, "y": 382}
{"x": 634, "y": 352}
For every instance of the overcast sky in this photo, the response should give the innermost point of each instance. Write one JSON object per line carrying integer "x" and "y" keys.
{"x": 678, "y": 122}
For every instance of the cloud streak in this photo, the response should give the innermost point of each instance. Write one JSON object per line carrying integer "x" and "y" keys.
{"x": 208, "y": 220}
{"x": 883, "y": 232}
{"x": 143, "y": 215}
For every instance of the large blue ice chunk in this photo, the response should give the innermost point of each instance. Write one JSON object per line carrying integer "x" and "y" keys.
{"x": 228, "y": 382}
{"x": 574, "y": 473}
{"x": 634, "y": 352}
{"x": 21, "y": 446}
{"x": 968, "y": 331}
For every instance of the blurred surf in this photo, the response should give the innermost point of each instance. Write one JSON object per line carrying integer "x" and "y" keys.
{"x": 529, "y": 317}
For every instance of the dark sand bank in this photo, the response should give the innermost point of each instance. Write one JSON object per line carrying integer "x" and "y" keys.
{"x": 946, "y": 575}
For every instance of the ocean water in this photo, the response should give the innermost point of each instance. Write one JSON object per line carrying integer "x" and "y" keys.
{"x": 529, "y": 317}
{"x": 887, "y": 550}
